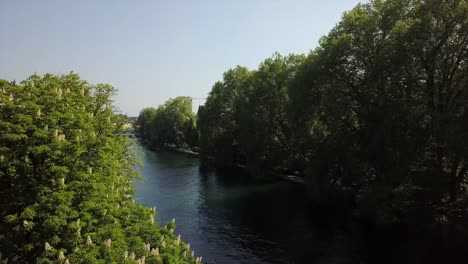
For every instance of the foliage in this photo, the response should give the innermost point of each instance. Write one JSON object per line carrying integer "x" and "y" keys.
{"x": 170, "y": 124}
{"x": 376, "y": 114}
{"x": 265, "y": 130}
{"x": 218, "y": 126}
{"x": 66, "y": 179}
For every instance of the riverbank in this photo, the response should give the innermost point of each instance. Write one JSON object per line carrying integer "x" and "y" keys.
{"x": 182, "y": 150}
{"x": 170, "y": 148}
{"x": 284, "y": 176}
{"x": 293, "y": 178}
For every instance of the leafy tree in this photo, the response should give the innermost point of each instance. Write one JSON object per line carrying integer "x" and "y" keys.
{"x": 66, "y": 179}
{"x": 378, "y": 91}
{"x": 219, "y": 133}
{"x": 375, "y": 115}
{"x": 144, "y": 128}
{"x": 263, "y": 120}
{"x": 170, "y": 124}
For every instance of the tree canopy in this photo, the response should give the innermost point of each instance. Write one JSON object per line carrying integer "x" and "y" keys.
{"x": 375, "y": 115}
{"x": 66, "y": 179}
{"x": 170, "y": 124}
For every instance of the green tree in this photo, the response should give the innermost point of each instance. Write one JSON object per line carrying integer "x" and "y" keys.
{"x": 144, "y": 128}
{"x": 265, "y": 131}
{"x": 374, "y": 115}
{"x": 170, "y": 124}
{"x": 383, "y": 96}
{"x": 66, "y": 179}
{"x": 219, "y": 132}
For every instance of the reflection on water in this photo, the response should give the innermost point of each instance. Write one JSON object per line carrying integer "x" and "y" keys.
{"x": 228, "y": 219}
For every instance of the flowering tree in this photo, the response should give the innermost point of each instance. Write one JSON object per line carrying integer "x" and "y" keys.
{"x": 66, "y": 179}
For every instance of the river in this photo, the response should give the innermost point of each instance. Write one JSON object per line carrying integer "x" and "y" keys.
{"x": 227, "y": 218}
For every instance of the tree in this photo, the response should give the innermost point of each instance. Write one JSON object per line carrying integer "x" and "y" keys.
{"x": 144, "y": 128}
{"x": 375, "y": 115}
{"x": 66, "y": 179}
{"x": 219, "y": 133}
{"x": 265, "y": 132}
{"x": 170, "y": 124}
{"x": 385, "y": 90}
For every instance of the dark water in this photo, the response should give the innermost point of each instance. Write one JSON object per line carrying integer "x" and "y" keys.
{"x": 229, "y": 219}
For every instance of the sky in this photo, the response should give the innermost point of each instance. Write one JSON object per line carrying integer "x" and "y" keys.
{"x": 155, "y": 50}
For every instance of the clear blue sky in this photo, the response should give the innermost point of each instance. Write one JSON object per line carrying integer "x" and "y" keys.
{"x": 155, "y": 50}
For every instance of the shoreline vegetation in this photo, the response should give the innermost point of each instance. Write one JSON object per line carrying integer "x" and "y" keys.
{"x": 66, "y": 179}
{"x": 374, "y": 117}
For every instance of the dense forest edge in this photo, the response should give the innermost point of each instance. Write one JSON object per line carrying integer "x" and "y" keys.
{"x": 375, "y": 117}
{"x": 66, "y": 179}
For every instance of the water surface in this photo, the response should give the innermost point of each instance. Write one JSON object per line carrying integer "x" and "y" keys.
{"x": 227, "y": 218}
